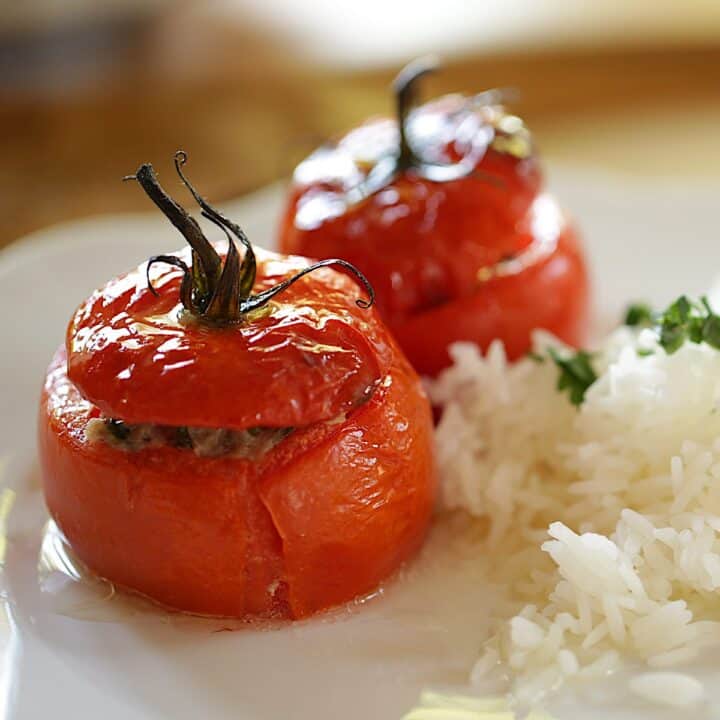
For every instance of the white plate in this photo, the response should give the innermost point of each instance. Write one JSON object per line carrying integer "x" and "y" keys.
{"x": 66, "y": 652}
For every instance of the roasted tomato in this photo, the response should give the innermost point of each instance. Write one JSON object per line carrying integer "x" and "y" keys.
{"x": 235, "y": 438}
{"x": 444, "y": 210}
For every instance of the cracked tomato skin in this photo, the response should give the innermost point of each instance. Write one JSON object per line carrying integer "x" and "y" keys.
{"x": 320, "y": 519}
{"x": 474, "y": 259}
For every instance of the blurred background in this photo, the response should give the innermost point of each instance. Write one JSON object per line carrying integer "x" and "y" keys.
{"x": 89, "y": 89}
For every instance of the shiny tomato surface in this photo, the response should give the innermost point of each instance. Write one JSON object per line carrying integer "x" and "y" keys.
{"x": 307, "y": 357}
{"x": 321, "y": 518}
{"x": 473, "y": 258}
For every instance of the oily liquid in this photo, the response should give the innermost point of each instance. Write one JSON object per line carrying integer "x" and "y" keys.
{"x": 431, "y": 619}
{"x": 420, "y": 630}
{"x": 73, "y": 589}
{"x": 79, "y": 593}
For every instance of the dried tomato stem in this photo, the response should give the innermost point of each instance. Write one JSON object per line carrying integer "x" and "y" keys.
{"x": 179, "y": 217}
{"x": 407, "y": 158}
{"x": 248, "y": 269}
{"x": 257, "y": 301}
{"x": 405, "y": 87}
{"x": 224, "y": 306}
{"x": 212, "y": 290}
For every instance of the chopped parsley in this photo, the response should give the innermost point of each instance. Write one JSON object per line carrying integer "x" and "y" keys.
{"x": 682, "y": 321}
{"x": 639, "y": 314}
{"x": 576, "y": 373}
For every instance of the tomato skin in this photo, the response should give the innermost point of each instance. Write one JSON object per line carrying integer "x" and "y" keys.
{"x": 423, "y": 245}
{"x": 308, "y": 357}
{"x": 348, "y": 528}
{"x": 552, "y": 294}
{"x": 225, "y": 536}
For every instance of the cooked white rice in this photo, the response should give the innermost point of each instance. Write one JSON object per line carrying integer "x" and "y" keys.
{"x": 604, "y": 519}
{"x": 668, "y": 688}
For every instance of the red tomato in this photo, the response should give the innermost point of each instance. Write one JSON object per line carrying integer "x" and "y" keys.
{"x": 322, "y": 517}
{"x": 306, "y": 358}
{"x": 483, "y": 255}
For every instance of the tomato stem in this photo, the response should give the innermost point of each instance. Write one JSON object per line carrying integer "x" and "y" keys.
{"x": 256, "y": 301}
{"x": 405, "y": 87}
{"x": 212, "y": 290}
{"x": 408, "y": 159}
{"x": 179, "y": 217}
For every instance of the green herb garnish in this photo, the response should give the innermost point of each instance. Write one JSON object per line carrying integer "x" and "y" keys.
{"x": 682, "y": 321}
{"x": 711, "y": 325}
{"x": 676, "y": 325}
{"x": 639, "y": 314}
{"x": 576, "y": 373}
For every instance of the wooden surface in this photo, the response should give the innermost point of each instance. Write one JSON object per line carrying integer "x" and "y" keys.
{"x": 246, "y": 117}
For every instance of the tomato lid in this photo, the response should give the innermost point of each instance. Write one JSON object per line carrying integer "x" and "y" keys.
{"x": 309, "y": 355}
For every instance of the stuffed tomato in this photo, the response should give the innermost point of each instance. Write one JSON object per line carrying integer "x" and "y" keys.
{"x": 444, "y": 209}
{"x": 235, "y": 437}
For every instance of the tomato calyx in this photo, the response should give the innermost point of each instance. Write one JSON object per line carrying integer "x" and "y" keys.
{"x": 405, "y": 87}
{"x": 409, "y": 159}
{"x": 214, "y": 291}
